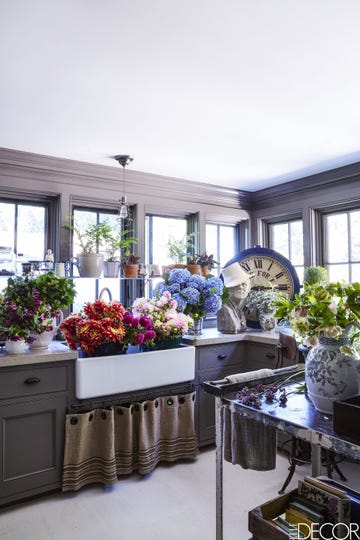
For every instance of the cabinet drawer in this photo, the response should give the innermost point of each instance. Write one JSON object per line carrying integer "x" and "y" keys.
{"x": 220, "y": 356}
{"x": 32, "y": 381}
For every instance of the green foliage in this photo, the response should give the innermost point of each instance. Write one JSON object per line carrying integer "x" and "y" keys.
{"x": 316, "y": 275}
{"x": 206, "y": 260}
{"x": 116, "y": 241}
{"x": 330, "y": 310}
{"x": 54, "y": 291}
{"x": 91, "y": 238}
{"x": 179, "y": 249}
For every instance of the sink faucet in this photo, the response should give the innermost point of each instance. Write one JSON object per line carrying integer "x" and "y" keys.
{"x": 105, "y": 290}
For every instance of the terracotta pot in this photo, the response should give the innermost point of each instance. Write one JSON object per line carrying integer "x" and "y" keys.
{"x": 130, "y": 270}
{"x": 194, "y": 268}
{"x": 205, "y": 271}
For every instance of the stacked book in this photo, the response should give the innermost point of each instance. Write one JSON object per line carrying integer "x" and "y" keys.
{"x": 317, "y": 510}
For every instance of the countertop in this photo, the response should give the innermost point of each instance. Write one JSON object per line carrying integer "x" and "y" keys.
{"x": 211, "y": 336}
{"x": 55, "y": 353}
{"x": 58, "y": 351}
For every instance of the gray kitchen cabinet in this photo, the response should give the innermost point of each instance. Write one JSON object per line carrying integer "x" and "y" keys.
{"x": 214, "y": 362}
{"x": 33, "y": 403}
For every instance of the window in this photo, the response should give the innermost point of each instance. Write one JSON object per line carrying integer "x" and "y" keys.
{"x": 342, "y": 245}
{"x": 286, "y": 238}
{"x": 221, "y": 241}
{"x": 23, "y": 228}
{"x": 90, "y": 288}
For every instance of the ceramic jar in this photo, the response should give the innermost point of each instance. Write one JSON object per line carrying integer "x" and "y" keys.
{"x": 331, "y": 375}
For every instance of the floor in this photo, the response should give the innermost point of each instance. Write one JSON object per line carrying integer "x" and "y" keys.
{"x": 174, "y": 502}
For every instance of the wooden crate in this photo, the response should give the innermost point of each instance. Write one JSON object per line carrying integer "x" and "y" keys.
{"x": 259, "y": 518}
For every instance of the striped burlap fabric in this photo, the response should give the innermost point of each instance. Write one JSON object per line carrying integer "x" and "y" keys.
{"x": 103, "y": 444}
{"x": 89, "y": 455}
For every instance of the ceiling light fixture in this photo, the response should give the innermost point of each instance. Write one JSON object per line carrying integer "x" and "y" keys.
{"x": 124, "y": 211}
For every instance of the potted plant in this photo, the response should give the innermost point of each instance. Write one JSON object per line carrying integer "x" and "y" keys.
{"x": 207, "y": 263}
{"x": 261, "y": 304}
{"x": 114, "y": 243}
{"x": 326, "y": 319}
{"x": 89, "y": 261}
{"x": 178, "y": 249}
{"x": 129, "y": 261}
{"x": 35, "y": 302}
{"x": 192, "y": 265}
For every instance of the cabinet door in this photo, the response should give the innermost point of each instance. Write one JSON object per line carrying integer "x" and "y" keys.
{"x": 260, "y": 355}
{"x": 31, "y": 446}
{"x": 220, "y": 358}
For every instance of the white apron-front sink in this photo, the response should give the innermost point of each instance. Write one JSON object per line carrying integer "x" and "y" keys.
{"x": 105, "y": 375}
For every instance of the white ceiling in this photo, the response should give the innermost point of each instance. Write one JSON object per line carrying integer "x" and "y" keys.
{"x": 240, "y": 93}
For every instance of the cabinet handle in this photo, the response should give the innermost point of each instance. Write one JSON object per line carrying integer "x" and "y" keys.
{"x": 270, "y": 355}
{"x": 32, "y": 380}
{"x": 222, "y": 356}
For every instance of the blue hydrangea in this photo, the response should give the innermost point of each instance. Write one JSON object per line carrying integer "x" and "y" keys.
{"x": 214, "y": 285}
{"x": 191, "y": 294}
{"x": 173, "y": 288}
{"x": 181, "y": 302}
{"x": 196, "y": 281}
{"x": 160, "y": 288}
{"x": 212, "y": 303}
{"x": 178, "y": 275}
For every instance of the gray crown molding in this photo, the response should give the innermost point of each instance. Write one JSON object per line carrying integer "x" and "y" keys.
{"x": 341, "y": 176}
{"x": 41, "y": 168}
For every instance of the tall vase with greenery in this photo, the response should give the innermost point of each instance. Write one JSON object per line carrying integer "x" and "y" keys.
{"x": 326, "y": 319}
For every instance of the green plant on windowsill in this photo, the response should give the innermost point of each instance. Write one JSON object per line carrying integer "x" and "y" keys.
{"x": 92, "y": 237}
{"x": 116, "y": 243}
{"x": 178, "y": 249}
{"x": 206, "y": 260}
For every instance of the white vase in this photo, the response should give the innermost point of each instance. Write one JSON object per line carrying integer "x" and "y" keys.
{"x": 331, "y": 375}
{"x": 43, "y": 340}
{"x": 89, "y": 264}
{"x": 267, "y": 321}
{"x": 15, "y": 347}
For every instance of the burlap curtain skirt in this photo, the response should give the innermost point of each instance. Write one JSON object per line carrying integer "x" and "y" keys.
{"x": 103, "y": 444}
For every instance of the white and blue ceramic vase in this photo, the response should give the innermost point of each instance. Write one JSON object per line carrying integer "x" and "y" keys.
{"x": 331, "y": 375}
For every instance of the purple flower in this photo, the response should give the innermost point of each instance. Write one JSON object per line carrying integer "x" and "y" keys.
{"x": 181, "y": 302}
{"x": 179, "y": 275}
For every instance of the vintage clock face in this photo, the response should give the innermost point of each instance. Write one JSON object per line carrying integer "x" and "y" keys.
{"x": 268, "y": 269}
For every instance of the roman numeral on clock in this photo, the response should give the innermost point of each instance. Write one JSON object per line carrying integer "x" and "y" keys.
{"x": 245, "y": 267}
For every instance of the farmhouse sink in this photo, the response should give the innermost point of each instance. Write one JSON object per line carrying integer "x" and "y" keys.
{"x": 105, "y": 375}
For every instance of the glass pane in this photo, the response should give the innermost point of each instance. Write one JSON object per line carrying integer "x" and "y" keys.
{"x": 31, "y": 232}
{"x": 211, "y": 240}
{"x": 336, "y": 238}
{"x": 7, "y": 224}
{"x": 300, "y": 273}
{"x": 355, "y": 273}
{"x": 279, "y": 238}
{"x": 85, "y": 292}
{"x": 162, "y": 229}
{"x": 355, "y": 237}
{"x": 227, "y": 244}
{"x": 296, "y": 243}
{"x": 338, "y": 272}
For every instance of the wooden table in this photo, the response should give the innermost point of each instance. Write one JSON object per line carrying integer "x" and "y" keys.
{"x": 298, "y": 417}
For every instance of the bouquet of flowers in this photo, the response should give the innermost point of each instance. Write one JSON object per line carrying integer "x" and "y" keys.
{"x": 330, "y": 310}
{"x": 162, "y": 310}
{"x": 195, "y": 295}
{"x": 103, "y": 322}
{"x": 17, "y": 320}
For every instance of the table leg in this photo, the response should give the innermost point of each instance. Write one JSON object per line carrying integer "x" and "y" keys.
{"x": 315, "y": 459}
{"x": 219, "y": 425}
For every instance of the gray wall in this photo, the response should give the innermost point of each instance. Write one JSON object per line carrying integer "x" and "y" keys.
{"x": 73, "y": 182}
